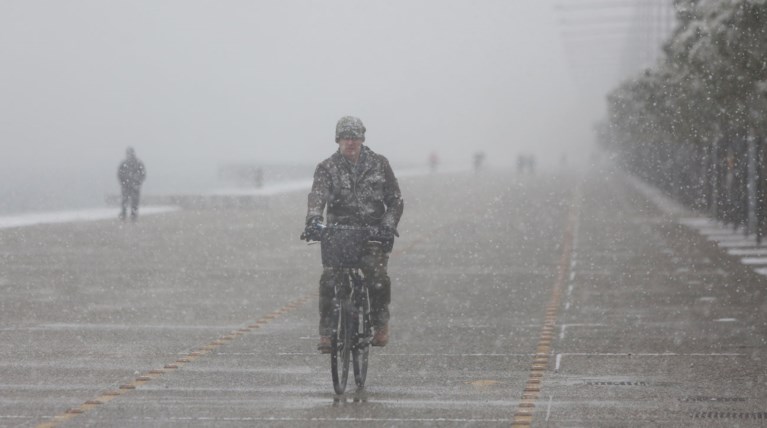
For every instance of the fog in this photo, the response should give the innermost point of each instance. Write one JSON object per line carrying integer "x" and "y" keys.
{"x": 196, "y": 84}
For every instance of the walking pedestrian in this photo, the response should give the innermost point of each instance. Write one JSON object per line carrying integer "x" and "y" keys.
{"x": 130, "y": 174}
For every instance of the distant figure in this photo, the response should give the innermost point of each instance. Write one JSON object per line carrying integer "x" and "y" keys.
{"x": 433, "y": 161}
{"x": 479, "y": 158}
{"x": 131, "y": 173}
{"x": 525, "y": 162}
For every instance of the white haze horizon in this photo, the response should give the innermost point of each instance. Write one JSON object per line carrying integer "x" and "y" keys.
{"x": 193, "y": 85}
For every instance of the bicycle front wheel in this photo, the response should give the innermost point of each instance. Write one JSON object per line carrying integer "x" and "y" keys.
{"x": 361, "y": 349}
{"x": 341, "y": 348}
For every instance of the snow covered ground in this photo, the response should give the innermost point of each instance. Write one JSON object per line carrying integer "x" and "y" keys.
{"x": 733, "y": 240}
{"x": 30, "y": 219}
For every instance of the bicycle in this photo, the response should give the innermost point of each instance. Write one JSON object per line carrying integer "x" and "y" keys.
{"x": 342, "y": 247}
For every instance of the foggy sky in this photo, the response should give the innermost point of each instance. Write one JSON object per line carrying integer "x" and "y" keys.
{"x": 192, "y": 84}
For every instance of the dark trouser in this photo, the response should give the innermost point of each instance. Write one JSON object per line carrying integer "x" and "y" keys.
{"x": 375, "y": 261}
{"x": 130, "y": 195}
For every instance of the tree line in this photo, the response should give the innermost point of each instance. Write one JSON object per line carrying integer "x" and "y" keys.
{"x": 694, "y": 125}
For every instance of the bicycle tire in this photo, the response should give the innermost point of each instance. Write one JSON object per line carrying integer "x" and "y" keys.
{"x": 341, "y": 349}
{"x": 361, "y": 349}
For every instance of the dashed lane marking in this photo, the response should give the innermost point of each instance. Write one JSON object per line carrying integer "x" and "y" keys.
{"x": 560, "y": 356}
{"x": 140, "y": 380}
{"x": 747, "y": 252}
{"x": 523, "y": 417}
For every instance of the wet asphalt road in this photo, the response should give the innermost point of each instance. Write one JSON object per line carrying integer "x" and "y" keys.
{"x": 562, "y": 300}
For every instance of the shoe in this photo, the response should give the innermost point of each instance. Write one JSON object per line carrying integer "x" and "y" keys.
{"x": 324, "y": 346}
{"x": 381, "y": 336}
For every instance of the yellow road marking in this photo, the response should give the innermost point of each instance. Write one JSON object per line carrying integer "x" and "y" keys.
{"x": 523, "y": 417}
{"x": 105, "y": 397}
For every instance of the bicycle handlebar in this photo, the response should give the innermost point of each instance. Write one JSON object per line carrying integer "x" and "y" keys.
{"x": 322, "y": 227}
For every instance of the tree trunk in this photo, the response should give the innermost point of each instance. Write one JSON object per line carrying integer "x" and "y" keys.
{"x": 761, "y": 190}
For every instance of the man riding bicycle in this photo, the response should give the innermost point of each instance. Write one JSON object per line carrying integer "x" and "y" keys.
{"x": 358, "y": 188}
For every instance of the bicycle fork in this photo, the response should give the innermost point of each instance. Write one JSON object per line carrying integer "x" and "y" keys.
{"x": 357, "y": 311}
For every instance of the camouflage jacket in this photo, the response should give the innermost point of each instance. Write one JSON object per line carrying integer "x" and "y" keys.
{"x": 363, "y": 195}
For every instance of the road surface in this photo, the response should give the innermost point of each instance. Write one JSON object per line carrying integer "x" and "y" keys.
{"x": 555, "y": 300}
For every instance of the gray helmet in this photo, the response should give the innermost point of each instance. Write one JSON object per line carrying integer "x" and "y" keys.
{"x": 350, "y": 127}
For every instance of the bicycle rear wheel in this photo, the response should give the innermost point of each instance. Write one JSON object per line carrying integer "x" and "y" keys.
{"x": 341, "y": 348}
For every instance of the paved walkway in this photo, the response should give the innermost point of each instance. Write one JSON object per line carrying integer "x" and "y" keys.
{"x": 554, "y": 300}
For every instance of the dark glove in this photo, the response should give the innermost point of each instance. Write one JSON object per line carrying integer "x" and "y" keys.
{"x": 313, "y": 229}
{"x": 386, "y": 233}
